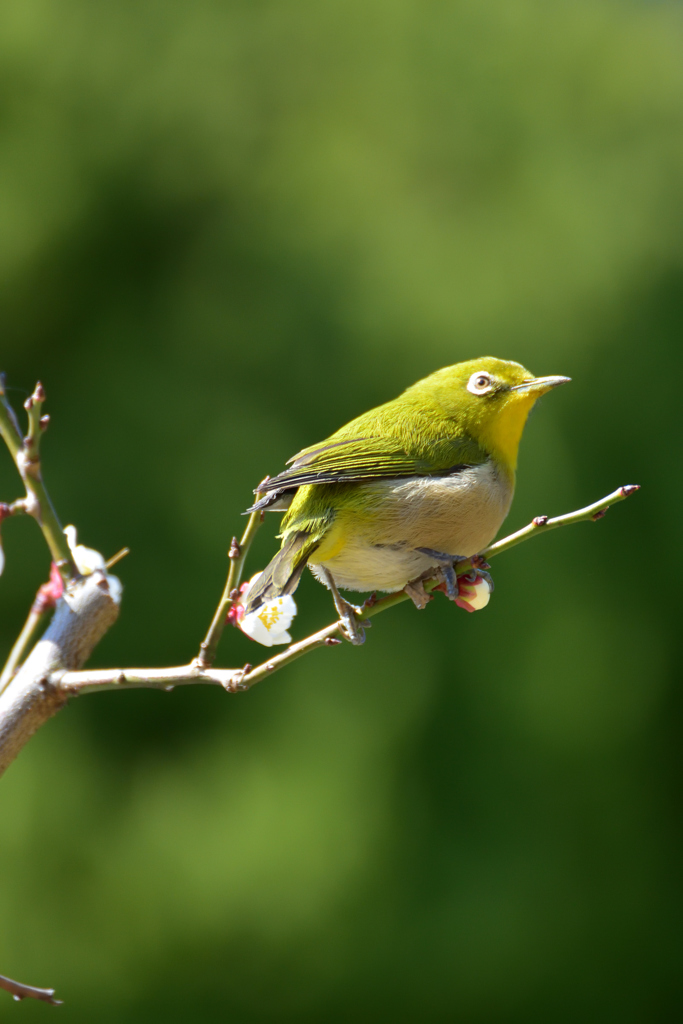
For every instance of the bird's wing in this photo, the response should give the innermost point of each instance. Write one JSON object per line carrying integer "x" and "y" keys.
{"x": 368, "y": 458}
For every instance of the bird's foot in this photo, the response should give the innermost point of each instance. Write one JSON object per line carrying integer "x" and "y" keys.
{"x": 474, "y": 588}
{"x": 445, "y": 563}
{"x": 415, "y": 590}
{"x": 488, "y": 577}
{"x": 350, "y": 617}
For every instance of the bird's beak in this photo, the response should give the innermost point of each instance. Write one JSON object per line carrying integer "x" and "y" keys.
{"x": 541, "y": 384}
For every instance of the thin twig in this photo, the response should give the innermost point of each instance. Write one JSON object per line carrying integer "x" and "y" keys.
{"x": 9, "y": 426}
{"x": 45, "y": 601}
{"x": 19, "y": 991}
{"x": 237, "y": 555}
{"x": 16, "y": 508}
{"x": 234, "y": 680}
{"x": 123, "y": 553}
{"x": 323, "y": 638}
{"x": 237, "y": 680}
{"x": 76, "y": 683}
{"x": 541, "y": 524}
{"x": 21, "y": 645}
{"x": 26, "y": 454}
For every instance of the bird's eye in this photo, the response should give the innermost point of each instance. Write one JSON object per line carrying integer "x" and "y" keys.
{"x": 479, "y": 384}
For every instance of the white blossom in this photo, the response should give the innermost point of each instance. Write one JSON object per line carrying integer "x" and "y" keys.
{"x": 269, "y": 623}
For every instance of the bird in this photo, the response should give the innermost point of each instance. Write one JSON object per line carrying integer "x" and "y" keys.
{"x": 413, "y": 485}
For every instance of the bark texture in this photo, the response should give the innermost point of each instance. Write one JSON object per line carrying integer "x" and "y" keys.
{"x": 80, "y": 621}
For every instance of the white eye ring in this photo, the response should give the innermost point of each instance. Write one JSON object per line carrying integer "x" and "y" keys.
{"x": 479, "y": 383}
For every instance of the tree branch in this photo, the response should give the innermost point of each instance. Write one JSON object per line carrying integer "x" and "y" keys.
{"x": 53, "y": 671}
{"x": 74, "y": 684}
{"x": 589, "y": 514}
{"x": 19, "y": 991}
{"x": 26, "y": 454}
{"x": 238, "y": 680}
{"x": 21, "y": 645}
{"x": 237, "y": 555}
{"x": 83, "y": 616}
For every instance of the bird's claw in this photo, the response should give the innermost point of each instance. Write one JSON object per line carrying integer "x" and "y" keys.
{"x": 488, "y": 577}
{"x": 416, "y": 592}
{"x": 446, "y": 571}
{"x": 451, "y": 581}
{"x": 446, "y": 564}
{"x": 351, "y": 622}
{"x": 350, "y": 617}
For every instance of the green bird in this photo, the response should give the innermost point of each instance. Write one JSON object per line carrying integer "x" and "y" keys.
{"x": 413, "y": 485}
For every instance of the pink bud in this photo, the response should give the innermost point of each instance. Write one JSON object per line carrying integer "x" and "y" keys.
{"x": 236, "y": 610}
{"x": 49, "y": 593}
{"x": 474, "y": 592}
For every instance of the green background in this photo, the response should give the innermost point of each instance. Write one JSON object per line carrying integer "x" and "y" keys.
{"x": 227, "y": 228}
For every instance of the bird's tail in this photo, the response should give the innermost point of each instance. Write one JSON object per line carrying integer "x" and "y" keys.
{"x": 282, "y": 574}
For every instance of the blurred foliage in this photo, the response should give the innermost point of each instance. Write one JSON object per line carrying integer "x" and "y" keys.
{"x": 228, "y": 227}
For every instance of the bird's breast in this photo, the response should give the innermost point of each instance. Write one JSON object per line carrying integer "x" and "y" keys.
{"x": 372, "y": 545}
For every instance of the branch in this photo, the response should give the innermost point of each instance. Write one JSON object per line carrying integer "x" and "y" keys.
{"x": 53, "y": 672}
{"x": 234, "y": 680}
{"x": 238, "y": 680}
{"x": 26, "y": 454}
{"x": 45, "y": 601}
{"x": 589, "y": 514}
{"x": 21, "y": 645}
{"x": 76, "y": 683}
{"x": 237, "y": 555}
{"x": 85, "y": 613}
{"x": 19, "y": 991}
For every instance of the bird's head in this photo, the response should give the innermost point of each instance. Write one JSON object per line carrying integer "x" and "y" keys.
{"x": 489, "y": 399}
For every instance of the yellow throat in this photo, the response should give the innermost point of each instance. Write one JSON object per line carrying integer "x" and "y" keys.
{"x": 502, "y": 433}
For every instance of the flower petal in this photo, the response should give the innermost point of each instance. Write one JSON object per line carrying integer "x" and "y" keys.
{"x": 269, "y": 623}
